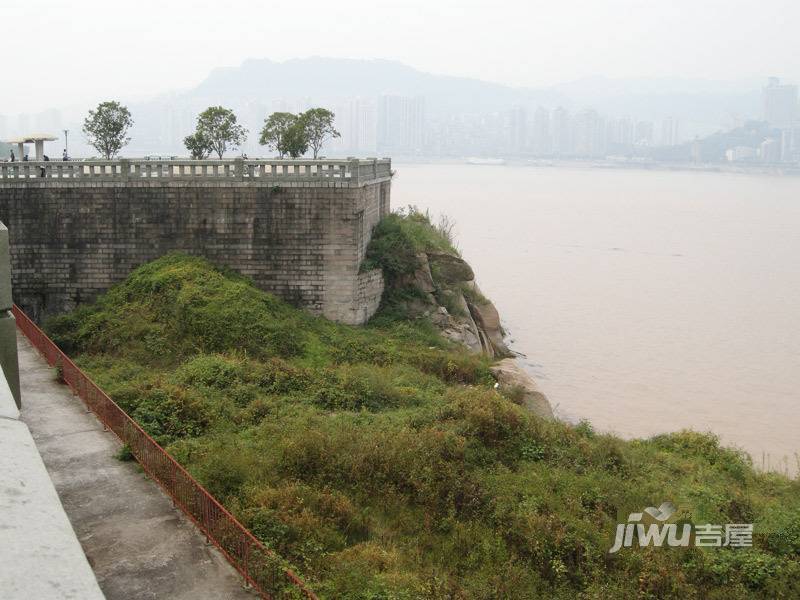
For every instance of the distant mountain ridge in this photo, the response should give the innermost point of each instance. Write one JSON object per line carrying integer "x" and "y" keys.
{"x": 331, "y": 78}
{"x": 259, "y": 86}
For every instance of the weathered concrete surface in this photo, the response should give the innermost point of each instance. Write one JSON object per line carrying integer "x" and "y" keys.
{"x": 5, "y": 270}
{"x": 40, "y": 557}
{"x": 139, "y": 546}
{"x": 8, "y": 407}
{"x": 8, "y": 354}
{"x": 8, "y": 330}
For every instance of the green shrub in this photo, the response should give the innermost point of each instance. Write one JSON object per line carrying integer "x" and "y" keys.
{"x": 399, "y": 238}
{"x": 364, "y": 386}
{"x": 784, "y": 537}
{"x": 212, "y": 370}
{"x": 391, "y": 249}
{"x": 169, "y": 413}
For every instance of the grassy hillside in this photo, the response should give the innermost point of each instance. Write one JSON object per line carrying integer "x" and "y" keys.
{"x": 382, "y": 463}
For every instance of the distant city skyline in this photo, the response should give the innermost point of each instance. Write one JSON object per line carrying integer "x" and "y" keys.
{"x": 389, "y": 109}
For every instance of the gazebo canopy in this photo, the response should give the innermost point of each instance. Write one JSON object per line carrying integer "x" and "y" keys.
{"x": 32, "y": 139}
{"x": 37, "y": 138}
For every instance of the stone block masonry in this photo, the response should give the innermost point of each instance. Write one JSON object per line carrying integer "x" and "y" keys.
{"x": 72, "y": 239}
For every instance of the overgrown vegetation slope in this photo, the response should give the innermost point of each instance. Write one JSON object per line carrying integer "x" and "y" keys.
{"x": 381, "y": 462}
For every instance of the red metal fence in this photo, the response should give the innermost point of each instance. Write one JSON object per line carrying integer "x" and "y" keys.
{"x": 260, "y": 567}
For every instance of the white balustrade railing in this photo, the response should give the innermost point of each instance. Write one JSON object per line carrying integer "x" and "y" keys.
{"x": 275, "y": 171}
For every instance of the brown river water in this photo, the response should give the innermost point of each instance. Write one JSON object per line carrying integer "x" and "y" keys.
{"x": 643, "y": 301}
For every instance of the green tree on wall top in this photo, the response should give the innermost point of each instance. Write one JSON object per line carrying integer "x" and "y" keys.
{"x": 318, "y": 126}
{"x": 295, "y": 140}
{"x": 273, "y": 134}
{"x": 106, "y": 128}
{"x": 198, "y": 145}
{"x": 294, "y": 134}
{"x": 217, "y": 131}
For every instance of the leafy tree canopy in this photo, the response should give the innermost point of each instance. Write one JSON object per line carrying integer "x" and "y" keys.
{"x": 106, "y": 128}
{"x": 295, "y": 140}
{"x": 198, "y": 145}
{"x": 218, "y": 126}
{"x": 274, "y": 131}
{"x": 294, "y": 134}
{"x": 318, "y": 126}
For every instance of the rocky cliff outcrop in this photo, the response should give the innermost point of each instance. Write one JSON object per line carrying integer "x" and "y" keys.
{"x": 427, "y": 279}
{"x": 446, "y": 294}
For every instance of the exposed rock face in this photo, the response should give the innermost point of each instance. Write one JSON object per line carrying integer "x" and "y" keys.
{"x": 487, "y": 319}
{"x": 445, "y": 293}
{"x": 450, "y": 269}
{"x": 512, "y": 378}
{"x": 449, "y": 297}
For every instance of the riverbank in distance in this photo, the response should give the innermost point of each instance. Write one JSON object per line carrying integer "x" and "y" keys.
{"x": 611, "y": 163}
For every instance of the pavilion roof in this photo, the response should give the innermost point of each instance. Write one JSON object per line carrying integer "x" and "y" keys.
{"x": 33, "y": 138}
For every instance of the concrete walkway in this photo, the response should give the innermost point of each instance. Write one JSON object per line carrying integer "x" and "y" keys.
{"x": 138, "y": 545}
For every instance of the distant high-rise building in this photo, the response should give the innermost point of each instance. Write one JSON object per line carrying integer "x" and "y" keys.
{"x": 400, "y": 124}
{"x": 619, "y": 133}
{"x": 562, "y": 139}
{"x": 696, "y": 151}
{"x": 590, "y": 132}
{"x": 644, "y": 133}
{"x": 780, "y": 103}
{"x": 356, "y": 122}
{"x": 518, "y": 130}
{"x": 770, "y": 150}
{"x": 790, "y": 144}
{"x": 366, "y": 125}
{"x": 542, "y": 142}
{"x": 175, "y": 124}
{"x": 416, "y": 124}
{"x": 670, "y": 135}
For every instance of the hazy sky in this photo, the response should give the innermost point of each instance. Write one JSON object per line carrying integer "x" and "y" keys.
{"x": 59, "y": 53}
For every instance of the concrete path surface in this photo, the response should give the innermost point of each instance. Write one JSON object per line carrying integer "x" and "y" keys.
{"x": 140, "y": 547}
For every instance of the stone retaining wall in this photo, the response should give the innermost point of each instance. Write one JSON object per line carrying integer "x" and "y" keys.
{"x": 73, "y": 239}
